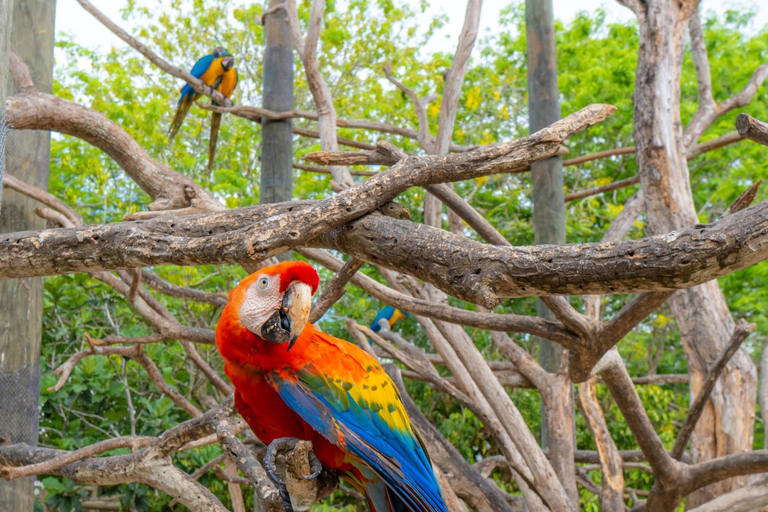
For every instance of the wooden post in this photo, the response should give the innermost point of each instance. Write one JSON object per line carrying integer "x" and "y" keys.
{"x": 6, "y": 19}
{"x": 276, "y": 182}
{"x": 549, "y": 220}
{"x": 21, "y": 300}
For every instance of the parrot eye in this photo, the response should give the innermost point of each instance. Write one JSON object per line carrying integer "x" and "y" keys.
{"x": 263, "y": 283}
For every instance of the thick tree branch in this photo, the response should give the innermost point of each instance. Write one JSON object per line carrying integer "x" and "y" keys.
{"x": 334, "y": 290}
{"x": 169, "y": 189}
{"x": 476, "y": 272}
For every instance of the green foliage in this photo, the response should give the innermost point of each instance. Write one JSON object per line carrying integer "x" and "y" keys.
{"x": 108, "y": 396}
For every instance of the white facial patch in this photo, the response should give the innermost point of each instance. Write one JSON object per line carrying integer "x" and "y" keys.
{"x": 262, "y": 299}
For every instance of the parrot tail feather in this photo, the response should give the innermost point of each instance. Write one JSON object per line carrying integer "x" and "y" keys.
{"x": 215, "y": 122}
{"x": 181, "y": 112}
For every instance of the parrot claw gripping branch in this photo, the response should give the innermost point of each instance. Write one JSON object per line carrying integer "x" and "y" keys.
{"x": 328, "y": 391}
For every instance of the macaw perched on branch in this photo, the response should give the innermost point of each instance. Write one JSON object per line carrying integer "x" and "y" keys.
{"x": 209, "y": 70}
{"x": 292, "y": 380}
{"x": 225, "y": 86}
{"x": 390, "y": 314}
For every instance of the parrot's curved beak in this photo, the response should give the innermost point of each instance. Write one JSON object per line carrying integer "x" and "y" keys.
{"x": 287, "y": 323}
{"x": 227, "y": 62}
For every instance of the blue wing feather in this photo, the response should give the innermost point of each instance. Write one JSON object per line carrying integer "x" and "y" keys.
{"x": 200, "y": 67}
{"x": 397, "y": 457}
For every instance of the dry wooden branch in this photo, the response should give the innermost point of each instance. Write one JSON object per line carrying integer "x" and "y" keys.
{"x": 326, "y": 112}
{"x": 752, "y": 129}
{"x": 611, "y": 463}
{"x": 423, "y": 137}
{"x": 709, "y": 110}
{"x": 744, "y": 200}
{"x": 151, "y": 465}
{"x": 334, "y": 290}
{"x": 159, "y": 284}
{"x": 37, "y": 194}
{"x": 510, "y": 322}
{"x": 677, "y": 260}
{"x": 627, "y": 182}
{"x": 608, "y": 334}
{"x": 51, "y": 465}
{"x": 324, "y": 170}
{"x": 696, "y": 254}
{"x": 740, "y": 333}
{"x": 665, "y": 468}
{"x": 170, "y": 190}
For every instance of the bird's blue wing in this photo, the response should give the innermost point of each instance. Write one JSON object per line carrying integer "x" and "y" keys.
{"x": 201, "y": 66}
{"x": 370, "y": 423}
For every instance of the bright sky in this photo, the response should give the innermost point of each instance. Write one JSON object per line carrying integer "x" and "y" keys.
{"x": 71, "y": 18}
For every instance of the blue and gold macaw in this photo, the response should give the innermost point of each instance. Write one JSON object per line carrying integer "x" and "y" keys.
{"x": 225, "y": 86}
{"x": 209, "y": 70}
{"x": 390, "y": 314}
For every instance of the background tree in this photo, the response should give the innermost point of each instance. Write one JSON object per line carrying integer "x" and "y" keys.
{"x": 28, "y": 154}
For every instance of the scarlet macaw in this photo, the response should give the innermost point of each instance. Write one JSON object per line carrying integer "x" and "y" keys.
{"x": 292, "y": 380}
{"x": 226, "y": 86}
{"x": 209, "y": 70}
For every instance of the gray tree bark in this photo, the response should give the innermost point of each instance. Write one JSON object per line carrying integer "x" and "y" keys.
{"x": 21, "y": 300}
{"x": 701, "y": 313}
{"x": 549, "y": 226}
{"x": 276, "y": 184}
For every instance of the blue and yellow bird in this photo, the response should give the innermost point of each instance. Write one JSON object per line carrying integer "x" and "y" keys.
{"x": 390, "y": 314}
{"x": 226, "y": 86}
{"x": 209, "y": 70}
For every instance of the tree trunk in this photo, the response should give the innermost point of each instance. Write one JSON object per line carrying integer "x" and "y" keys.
{"x": 21, "y": 300}
{"x": 549, "y": 228}
{"x": 276, "y": 183}
{"x": 701, "y": 313}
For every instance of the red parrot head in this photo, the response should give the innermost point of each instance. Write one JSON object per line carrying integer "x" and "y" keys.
{"x": 274, "y": 302}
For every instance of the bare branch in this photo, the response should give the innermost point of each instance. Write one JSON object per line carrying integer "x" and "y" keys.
{"x": 740, "y": 333}
{"x": 334, "y": 290}
{"x": 324, "y": 170}
{"x": 665, "y": 468}
{"x": 320, "y": 92}
{"x": 510, "y": 323}
{"x": 627, "y": 182}
{"x": 169, "y": 189}
{"x": 707, "y": 105}
{"x": 695, "y": 150}
{"x": 454, "y": 78}
{"x": 599, "y": 155}
{"x": 426, "y": 142}
{"x": 745, "y": 499}
{"x": 44, "y": 197}
{"x": 752, "y": 129}
{"x": 709, "y": 110}
{"x": 744, "y": 200}
{"x": 51, "y": 465}
{"x": 611, "y": 463}
{"x": 161, "y": 285}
